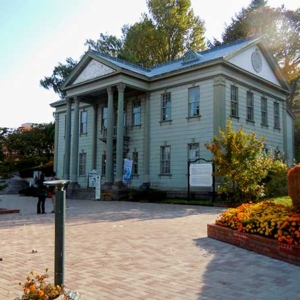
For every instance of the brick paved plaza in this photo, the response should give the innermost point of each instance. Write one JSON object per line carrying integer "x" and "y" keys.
{"x": 119, "y": 250}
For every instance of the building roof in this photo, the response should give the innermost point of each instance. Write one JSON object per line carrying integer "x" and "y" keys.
{"x": 175, "y": 65}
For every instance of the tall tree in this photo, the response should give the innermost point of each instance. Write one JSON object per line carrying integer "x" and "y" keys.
{"x": 170, "y": 29}
{"x": 166, "y": 33}
{"x": 58, "y": 77}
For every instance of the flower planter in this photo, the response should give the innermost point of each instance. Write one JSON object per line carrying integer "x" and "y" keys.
{"x": 258, "y": 244}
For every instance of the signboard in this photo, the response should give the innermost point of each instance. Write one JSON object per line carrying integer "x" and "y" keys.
{"x": 92, "y": 178}
{"x": 201, "y": 175}
{"x": 127, "y": 170}
{"x": 98, "y": 188}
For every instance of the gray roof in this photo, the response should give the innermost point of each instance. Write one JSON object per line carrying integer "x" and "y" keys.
{"x": 203, "y": 57}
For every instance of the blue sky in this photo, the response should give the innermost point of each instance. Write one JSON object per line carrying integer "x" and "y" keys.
{"x": 35, "y": 35}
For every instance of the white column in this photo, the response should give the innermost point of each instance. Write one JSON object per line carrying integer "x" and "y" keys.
{"x": 120, "y": 132}
{"x": 75, "y": 142}
{"x": 67, "y": 140}
{"x": 109, "y": 138}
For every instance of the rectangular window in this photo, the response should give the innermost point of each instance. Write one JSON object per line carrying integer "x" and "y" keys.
{"x": 194, "y": 152}
{"x": 250, "y": 107}
{"x": 194, "y": 101}
{"x": 82, "y": 164}
{"x": 103, "y": 165}
{"x": 136, "y": 112}
{"x": 234, "y": 101}
{"x": 276, "y": 116}
{"x": 104, "y": 118}
{"x": 165, "y": 160}
{"x": 264, "y": 111}
{"x": 135, "y": 164}
{"x": 83, "y": 122}
{"x": 166, "y": 107}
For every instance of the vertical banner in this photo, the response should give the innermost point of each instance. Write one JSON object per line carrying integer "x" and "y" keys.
{"x": 127, "y": 170}
{"x": 98, "y": 188}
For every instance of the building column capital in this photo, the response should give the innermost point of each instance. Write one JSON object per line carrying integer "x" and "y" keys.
{"x": 121, "y": 87}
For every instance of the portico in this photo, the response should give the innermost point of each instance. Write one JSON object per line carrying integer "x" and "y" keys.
{"x": 112, "y": 134}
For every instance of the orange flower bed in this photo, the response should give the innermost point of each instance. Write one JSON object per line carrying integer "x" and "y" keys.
{"x": 275, "y": 221}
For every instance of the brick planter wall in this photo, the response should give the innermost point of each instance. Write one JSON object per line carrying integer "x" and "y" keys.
{"x": 258, "y": 244}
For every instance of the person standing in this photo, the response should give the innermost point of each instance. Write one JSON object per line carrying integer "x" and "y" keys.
{"x": 42, "y": 194}
{"x": 53, "y": 190}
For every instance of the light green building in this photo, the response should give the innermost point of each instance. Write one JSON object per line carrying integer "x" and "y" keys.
{"x": 162, "y": 116}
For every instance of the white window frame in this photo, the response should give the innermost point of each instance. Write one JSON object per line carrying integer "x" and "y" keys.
{"x": 165, "y": 160}
{"x": 194, "y": 102}
{"x": 83, "y": 122}
{"x": 276, "y": 115}
{"x": 104, "y": 117}
{"x": 264, "y": 111}
{"x": 135, "y": 164}
{"x": 234, "y": 107}
{"x": 82, "y": 164}
{"x": 166, "y": 105}
{"x": 193, "y": 151}
{"x": 250, "y": 106}
{"x": 136, "y": 112}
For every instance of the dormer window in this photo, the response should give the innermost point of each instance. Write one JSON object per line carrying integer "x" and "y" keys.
{"x": 190, "y": 56}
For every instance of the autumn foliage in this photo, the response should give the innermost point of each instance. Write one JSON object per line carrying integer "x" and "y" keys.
{"x": 294, "y": 185}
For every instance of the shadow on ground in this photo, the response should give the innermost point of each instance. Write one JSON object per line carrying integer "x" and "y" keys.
{"x": 235, "y": 273}
{"x": 99, "y": 211}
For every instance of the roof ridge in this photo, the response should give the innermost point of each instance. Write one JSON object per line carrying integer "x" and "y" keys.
{"x": 225, "y": 45}
{"x": 98, "y": 53}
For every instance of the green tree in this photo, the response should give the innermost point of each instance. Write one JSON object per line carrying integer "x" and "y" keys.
{"x": 165, "y": 34}
{"x": 58, "y": 77}
{"x": 28, "y": 148}
{"x": 170, "y": 29}
{"x": 241, "y": 163}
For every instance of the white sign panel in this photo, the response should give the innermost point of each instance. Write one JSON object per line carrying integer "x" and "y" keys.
{"x": 201, "y": 174}
{"x": 92, "y": 178}
{"x": 98, "y": 188}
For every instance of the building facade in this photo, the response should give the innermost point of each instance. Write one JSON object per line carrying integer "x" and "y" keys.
{"x": 161, "y": 117}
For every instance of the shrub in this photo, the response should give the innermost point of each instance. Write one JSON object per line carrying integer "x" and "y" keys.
{"x": 294, "y": 185}
{"x": 276, "y": 181}
{"x": 241, "y": 163}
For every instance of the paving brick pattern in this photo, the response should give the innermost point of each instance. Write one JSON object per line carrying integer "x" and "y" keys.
{"x": 134, "y": 251}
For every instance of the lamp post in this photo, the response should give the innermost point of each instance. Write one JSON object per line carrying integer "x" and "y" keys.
{"x": 60, "y": 213}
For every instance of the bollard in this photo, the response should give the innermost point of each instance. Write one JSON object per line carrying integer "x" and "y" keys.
{"x": 60, "y": 213}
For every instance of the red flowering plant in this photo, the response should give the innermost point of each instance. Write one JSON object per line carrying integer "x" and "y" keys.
{"x": 276, "y": 221}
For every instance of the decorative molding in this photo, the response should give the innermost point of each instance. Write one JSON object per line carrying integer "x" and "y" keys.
{"x": 93, "y": 69}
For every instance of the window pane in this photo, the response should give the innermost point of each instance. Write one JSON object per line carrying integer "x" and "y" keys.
{"x": 194, "y": 99}
{"x": 264, "y": 111}
{"x": 250, "y": 115}
{"x": 104, "y": 117}
{"x": 166, "y": 107}
{"x": 165, "y": 159}
{"x": 194, "y": 151}
{"x": 136, "y": 113}
{"x": 82, "y": 164}
{"x": 234, "y": 101}
{"x": 135, "y": 157}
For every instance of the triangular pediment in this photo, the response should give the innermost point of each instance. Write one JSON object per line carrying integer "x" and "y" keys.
{"x": 253, "y": 61}
{"x": 93, "y": 70}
